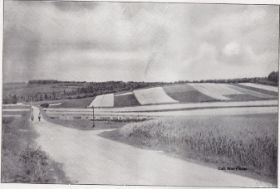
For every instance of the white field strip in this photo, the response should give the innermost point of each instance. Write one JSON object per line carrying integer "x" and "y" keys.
{"x": 16, "y": 110}
{"x": 260, "y": 86}
{"x": 122, "y": 94}
{"x": 215, "y": 90}
{"x": 106, "y": 100}
{"x": 154, "y": 95}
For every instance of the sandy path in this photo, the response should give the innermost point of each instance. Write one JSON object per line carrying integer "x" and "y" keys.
{"x": 90, "y": 159}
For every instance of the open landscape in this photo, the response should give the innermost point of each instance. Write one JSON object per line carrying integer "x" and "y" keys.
{"x": 227, "y": 127}
{"x": 140, "y": 94}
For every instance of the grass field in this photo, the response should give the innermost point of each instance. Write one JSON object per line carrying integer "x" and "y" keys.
{"x": 248, "y": 141}
{"x": 186, "y": 93}
{"x": 74, "y": 103}
{"x": 125, "y": 100}
{"x": 22, "y": 160}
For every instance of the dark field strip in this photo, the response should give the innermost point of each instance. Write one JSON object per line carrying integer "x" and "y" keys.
{"x": 258, "y": 90}
{"x": 186, "y": 93}
{"x": 125, "y": 100}
{"x": 70, "y": 103}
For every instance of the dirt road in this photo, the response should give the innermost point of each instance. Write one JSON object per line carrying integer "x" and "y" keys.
{"x": 90, "y": 159}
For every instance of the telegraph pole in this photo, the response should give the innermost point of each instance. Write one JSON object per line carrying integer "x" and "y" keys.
{"x": 93, "y": 125}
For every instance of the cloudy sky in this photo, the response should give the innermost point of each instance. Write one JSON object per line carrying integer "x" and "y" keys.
{"x": 90, "y": 41}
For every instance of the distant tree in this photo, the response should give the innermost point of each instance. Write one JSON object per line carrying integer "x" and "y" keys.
{"x": 14, "y": 99}
{"x": 273, "y": 76}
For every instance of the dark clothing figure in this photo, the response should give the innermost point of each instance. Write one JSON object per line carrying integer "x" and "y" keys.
{"x": 32, "y": 116}
{"x": 39, "y": 116}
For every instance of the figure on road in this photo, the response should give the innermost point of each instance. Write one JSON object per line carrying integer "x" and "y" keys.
{"x": 31, "y": 115}
{"x": 39, "y": 116}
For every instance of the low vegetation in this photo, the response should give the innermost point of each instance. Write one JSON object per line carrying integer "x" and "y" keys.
{"x": 248, "y": 141}
{"x": 22, "y": 160}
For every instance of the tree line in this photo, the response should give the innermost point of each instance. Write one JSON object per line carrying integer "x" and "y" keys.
{"x": 74, "y": 90}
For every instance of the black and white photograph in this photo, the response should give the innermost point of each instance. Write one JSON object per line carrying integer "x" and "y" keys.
{"x": 177, "y": 94}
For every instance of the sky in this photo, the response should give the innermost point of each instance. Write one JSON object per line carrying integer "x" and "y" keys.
{"x": 102, "y": 41}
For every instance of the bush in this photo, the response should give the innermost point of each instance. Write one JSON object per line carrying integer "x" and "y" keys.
{"x": 273, "y": 76}
{"x": 44, "y": 105}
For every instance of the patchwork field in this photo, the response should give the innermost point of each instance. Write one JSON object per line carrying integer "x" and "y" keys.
{"x": 172, "y": 100}
{"x": 187, "y": 93}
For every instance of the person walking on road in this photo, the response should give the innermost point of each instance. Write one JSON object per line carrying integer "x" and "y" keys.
{"x": 39, "y": 116}
{"x": 32, "y": 116}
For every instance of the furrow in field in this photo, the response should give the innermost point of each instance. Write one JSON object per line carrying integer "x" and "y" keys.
{"x": 154, "y": 95}
{"x": 260, "y": 86}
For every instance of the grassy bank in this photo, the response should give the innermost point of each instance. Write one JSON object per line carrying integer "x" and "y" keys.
{"x": 22, "y": 160}
{"x": 247, "y": 142}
